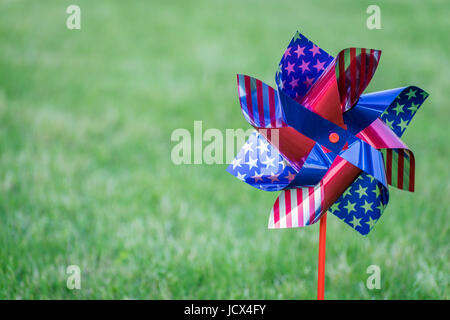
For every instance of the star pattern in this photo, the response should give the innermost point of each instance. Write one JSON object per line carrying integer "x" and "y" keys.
{"x": 413, "y": 107}
{"x": 236, "y": 163}
{"x": 308, "y": 82}
{"x": 399, "y": 114}
{"x": 261, "y": 165}
{"x": 390, "y": 124}
{"x": 398, "y": 108}
{"x": 367, "y": 206}
{"x": 301, "y": 65}
{"x": 362, "y": 204}
{"x": 376, "y": 190}
{"x": 361, "y": 191}
{"x": 350, "y": 206}
{"x": 319, "y": 65}
{"x": 411, "y": 93}
{"x": 304, "y": 66}
{"x": 355, "y": 222}
{"x": 371, "y": 222}
{"x": 403, "y": 124}
{"x": 300, "y": 51}
{"x": 347, "y": 192}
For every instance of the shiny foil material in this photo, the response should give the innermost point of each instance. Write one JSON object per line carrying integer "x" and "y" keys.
{"x": 322, "y": 142}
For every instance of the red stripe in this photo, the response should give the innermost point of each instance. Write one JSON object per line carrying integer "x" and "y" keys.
{"x": 342, "y": 77}
{"x": 287, "y": 204}
{"x": 412, "y": 171}
{"x": 272, "y": 107}
{"x": 371, "y": 60}
{"x": 239, "y": 89}
{"x": 389, "y": 166}
{"x": 276, "y": 213}
{"x": 400, "y": 169}
{"x": 248, "y": 96}
{"x": 352, "y": 75}
{"x": 260, "y": 102}
{"x": 312, "y": 209}
{"x": 300, "y": 207}
{"x": 362, "y": 71}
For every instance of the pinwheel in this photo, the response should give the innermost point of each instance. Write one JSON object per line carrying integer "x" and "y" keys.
{"x": 323, "y": 143}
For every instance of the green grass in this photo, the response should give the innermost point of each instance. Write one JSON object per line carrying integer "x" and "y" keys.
{"x": 85, "y": 173}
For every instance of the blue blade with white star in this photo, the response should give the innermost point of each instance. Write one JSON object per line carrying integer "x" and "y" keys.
{"x": 260, "y": 165}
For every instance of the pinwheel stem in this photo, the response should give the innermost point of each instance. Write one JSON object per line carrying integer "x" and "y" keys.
{"x": 322, "y": 244}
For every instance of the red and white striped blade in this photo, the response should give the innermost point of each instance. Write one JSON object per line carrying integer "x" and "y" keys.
{"x": 297, "y": 207}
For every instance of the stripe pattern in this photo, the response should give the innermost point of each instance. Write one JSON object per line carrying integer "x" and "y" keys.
{"x": 297, "y": 207}
{"x": 354, "y": 69}
{"x": 400, "y": 168}
{"x": 259, "y": 103}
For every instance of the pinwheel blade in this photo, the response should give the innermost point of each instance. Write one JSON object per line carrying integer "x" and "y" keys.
{"x": 297, "y": 207}
{"x": 362, "y": 204}
{"x": 302, "y": 64}
{"x": 355, "y": 68}
{"x": 261, "y": 165}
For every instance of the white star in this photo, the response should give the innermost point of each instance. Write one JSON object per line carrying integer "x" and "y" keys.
{"x": 268, "y": 162}
{"x": 283, "y": 163}
{"x": 236, "y": 163}
{"x": 263, "y": 147}
{"x": 241, "y": 176}
{"x": 251, "y": 163}
{"x": 247, "y": 147}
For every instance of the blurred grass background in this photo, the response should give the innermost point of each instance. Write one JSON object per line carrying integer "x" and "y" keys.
{"x": 85, "y": 172}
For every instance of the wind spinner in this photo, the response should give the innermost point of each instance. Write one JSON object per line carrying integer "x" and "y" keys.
{"x": 326, "y": 145}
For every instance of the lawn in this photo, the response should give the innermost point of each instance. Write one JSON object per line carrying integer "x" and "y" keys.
{"x": 86, "y": 176}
